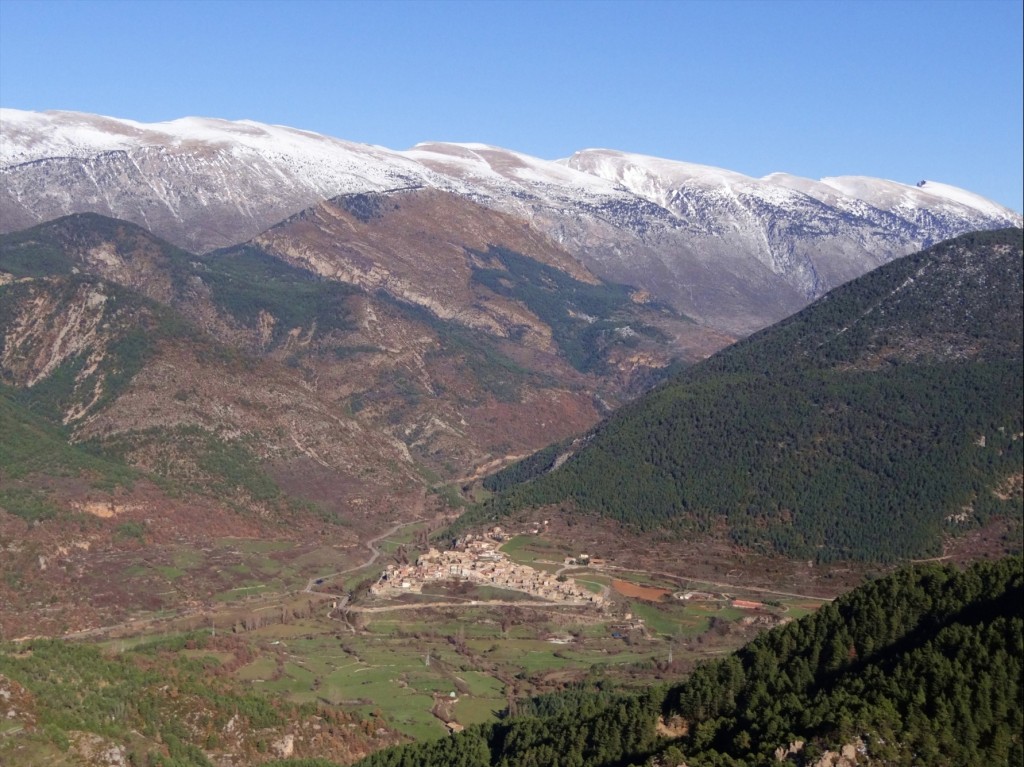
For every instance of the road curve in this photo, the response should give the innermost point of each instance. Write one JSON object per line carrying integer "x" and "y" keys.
{"x": 374, "y": 556}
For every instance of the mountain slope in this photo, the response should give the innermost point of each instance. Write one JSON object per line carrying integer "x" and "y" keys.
{"x": 732, "y": 251}
{"x": 867, "y": 426}
{"x": 326, "y": 289}
{"x": 469, "y": 328}
{"x": 921, "y": 667}
{"x": 796, "y": 237}
{"x": 362, "y": 346}
{"x": 130, "y": 431}
{"x": 170, "y": 702}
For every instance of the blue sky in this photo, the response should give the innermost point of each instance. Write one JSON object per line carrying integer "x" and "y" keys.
{"x": 905, "y": 90}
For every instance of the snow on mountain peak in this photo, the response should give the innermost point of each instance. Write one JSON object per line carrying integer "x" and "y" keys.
{"x": 486, "y": 163}
{"x": 901, "y": 198}
{"x": 336, "y": 166}
{"x": 26, "y": 136}
{"x": 660, "y": 180}
{"x": 962, "y": 196}
{"x": 611, "y": 162}
{"x": 704, "y": 239}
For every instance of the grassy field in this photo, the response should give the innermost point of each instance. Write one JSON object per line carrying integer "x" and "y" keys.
{"x": 240, "y": 592}
{"x": 534, "y": 551}
{"x": 591, "y": 585}
{"x": 401, "y": 663}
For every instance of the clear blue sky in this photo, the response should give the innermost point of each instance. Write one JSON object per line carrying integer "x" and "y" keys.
{"x": 903, "y": 89}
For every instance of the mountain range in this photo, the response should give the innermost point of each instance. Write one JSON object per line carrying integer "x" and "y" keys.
{"x": 234, "y": 357}
{"x": 733, "y": 252}
{"x": 374, "y": 325}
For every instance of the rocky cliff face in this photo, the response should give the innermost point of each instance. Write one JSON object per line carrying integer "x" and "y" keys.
{"x": 732, "y": 251}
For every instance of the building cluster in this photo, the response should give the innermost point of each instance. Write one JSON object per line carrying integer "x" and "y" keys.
{"x": 698, "y": 596}
{"x": 479, "y": 561}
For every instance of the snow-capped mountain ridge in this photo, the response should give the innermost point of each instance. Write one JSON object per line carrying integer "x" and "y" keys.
{"x": 732, "y": 250}
{"x": 655, "y": 178}
{"x": 30, "y": 136}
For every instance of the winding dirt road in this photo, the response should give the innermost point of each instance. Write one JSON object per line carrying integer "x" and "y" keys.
{"x": 374, "y": 556}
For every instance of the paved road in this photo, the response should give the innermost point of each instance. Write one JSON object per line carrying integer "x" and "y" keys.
{"x": 731, "y": 586}
{"x": 469, "y": 603}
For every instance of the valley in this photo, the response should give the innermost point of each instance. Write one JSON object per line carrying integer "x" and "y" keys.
{"x": 398, "y": 659}
{"x": 430, "y": 447}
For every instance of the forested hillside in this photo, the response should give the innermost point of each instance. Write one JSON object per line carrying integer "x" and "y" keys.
{"x": 921, "y": 667}
{"x": 868, "y": 426}
{"x": 925, "y": 666}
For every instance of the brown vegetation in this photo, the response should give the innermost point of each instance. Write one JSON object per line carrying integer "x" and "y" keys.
{"x": 636, "y": 591}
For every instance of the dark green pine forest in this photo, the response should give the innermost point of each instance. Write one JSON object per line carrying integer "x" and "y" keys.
{"x": 923, "y": 667}
{"x": 869, "y": 426}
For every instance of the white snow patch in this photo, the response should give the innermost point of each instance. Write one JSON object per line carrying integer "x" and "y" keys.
{"x": 286, "y": 157}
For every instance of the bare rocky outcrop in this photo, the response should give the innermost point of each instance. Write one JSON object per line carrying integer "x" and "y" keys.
{"x": 17, "y": 707}
{"x": 849, "y": 755}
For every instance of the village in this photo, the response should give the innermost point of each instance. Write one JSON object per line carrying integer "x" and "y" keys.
{"x": 480, "y": 561}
